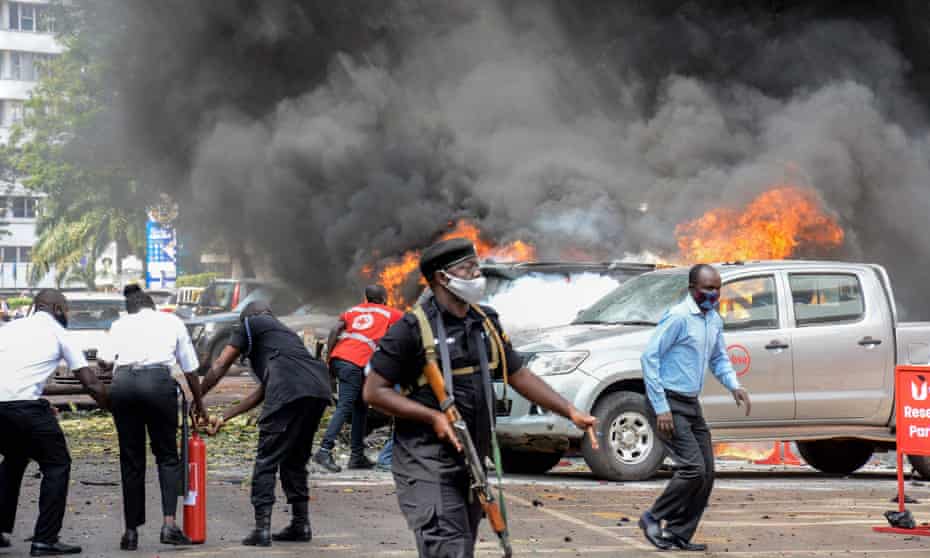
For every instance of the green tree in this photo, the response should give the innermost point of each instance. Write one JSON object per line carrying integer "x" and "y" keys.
{"x": 64, "y": 147}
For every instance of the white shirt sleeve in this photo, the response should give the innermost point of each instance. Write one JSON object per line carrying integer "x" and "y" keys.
{"x": 185, "y": 353}
{"x": 72, "y": 354}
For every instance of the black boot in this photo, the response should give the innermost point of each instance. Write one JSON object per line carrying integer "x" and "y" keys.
{"x": 261, "y": 535}
{"x": 360, "y": 462}
{"x": 324, "y": 458}
{"x": 299, "y": 529}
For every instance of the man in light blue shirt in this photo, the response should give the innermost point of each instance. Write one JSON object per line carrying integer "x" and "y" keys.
{"x": 688, "y": 339}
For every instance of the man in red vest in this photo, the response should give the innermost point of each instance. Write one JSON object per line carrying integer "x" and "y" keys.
{"x": 352, "y": 342}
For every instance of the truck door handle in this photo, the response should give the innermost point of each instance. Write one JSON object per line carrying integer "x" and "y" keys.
{"x": 775, "y": 345}
{"x": 869, "y": 342}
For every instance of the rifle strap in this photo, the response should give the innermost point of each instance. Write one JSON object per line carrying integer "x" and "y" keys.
{"x": 429, "y": 346}
{"x": 497, "y": 345}
{"x": 444, "y": 358}
{"x": 490, "y": 400}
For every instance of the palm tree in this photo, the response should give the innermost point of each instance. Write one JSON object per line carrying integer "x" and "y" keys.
{"x": 70, "y": 233}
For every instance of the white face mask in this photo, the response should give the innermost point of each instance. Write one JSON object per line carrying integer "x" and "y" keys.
{"x": 469, "y": 290}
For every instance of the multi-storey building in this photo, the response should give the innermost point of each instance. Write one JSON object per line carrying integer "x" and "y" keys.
{"x": 27, "y": 38}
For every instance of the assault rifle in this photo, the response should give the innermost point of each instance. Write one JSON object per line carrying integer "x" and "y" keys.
{"x": 479, "y": 479}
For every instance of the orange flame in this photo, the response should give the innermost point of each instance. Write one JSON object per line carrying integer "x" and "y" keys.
{"x": 749, "y": 451}
{"x": 773, "y": 226}
{"x": 395, "y": 276}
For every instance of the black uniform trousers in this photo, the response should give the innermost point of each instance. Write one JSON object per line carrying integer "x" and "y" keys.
{"x": 285, "y": 443}
{"x": 146, "y": 399}
{"x": 686, "y": 496}
{"x": 31, "y": 431}
{"x": 443, "y": 516}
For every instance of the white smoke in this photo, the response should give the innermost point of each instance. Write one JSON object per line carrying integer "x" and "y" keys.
{"x": 539, "y": 301}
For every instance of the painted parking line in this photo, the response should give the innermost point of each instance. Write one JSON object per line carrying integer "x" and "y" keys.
{"x": 630, "y": 542}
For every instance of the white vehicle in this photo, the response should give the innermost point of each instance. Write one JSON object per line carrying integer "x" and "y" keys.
{"x": 90, "y": 316}
{"x": 814, "y": 343}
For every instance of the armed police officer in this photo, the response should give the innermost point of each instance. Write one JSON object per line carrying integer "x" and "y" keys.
{"x": 30, "y": 350}
{"x": 430, "y": 474}
{"x": 295, "y": 390}
{"x": 143, "y": 346}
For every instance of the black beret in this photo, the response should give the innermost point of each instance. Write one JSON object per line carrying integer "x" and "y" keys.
{"x": 445, "y": 253}
{"x": 131, "y": 288}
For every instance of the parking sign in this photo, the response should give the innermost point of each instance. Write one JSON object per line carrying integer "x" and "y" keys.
{"x": 912, "y": 395}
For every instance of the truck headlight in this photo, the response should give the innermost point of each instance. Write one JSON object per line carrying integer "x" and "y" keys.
{"x": 555, "y": 363}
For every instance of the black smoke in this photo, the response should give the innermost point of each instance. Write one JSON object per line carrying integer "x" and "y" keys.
{"x": 317, "y": 136}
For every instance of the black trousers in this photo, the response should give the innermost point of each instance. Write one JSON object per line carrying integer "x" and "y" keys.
{"x": 443, "y": 518}
{"x": 30, "y": 431}
{"x": 686, "y": 496}
{"x": 287, "y": 449}
{"x": 146, "y": 399}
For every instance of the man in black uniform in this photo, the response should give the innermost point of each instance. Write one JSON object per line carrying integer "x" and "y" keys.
{"x": 431, "y": 478}
{"x": 295, "y": 388}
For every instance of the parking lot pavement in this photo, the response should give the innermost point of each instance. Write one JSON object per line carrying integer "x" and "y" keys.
{"x": 755, "y": 512}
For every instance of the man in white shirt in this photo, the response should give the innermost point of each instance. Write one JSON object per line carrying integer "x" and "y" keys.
{"x": 143, "y": 346}
{"x": 30, "y": 350}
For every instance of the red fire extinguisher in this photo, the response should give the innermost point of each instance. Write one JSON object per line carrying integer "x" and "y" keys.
{"x": 195, "y": 501}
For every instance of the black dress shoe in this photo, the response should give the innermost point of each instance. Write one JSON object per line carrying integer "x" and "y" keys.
{"x": 653, "y": 531}
{"x": 130, "y": 540}
{"x": 170, "y": 534}
{"x": 53, "y": 549}
{"x": 682, "y": 544}
{"x": 5, "y": 541}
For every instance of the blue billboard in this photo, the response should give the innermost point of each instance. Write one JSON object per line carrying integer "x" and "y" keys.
{"x": 161, "y": 251}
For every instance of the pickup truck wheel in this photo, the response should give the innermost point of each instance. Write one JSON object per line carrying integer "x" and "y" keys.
{"x": 629, "y": 448}
{"x": 836, "y": 457}
{"x": 921, "y": 464}
{"x": 529, "y": 462}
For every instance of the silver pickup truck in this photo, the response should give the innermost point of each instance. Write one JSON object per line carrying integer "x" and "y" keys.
{"x": 815, "y": 343}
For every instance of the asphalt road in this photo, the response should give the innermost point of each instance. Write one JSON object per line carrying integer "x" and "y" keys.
{"x": 755, "y": 511}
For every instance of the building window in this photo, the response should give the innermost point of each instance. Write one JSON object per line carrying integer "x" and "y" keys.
{"x": 24, "y": 208}
{"x": 31, "y": 17}
{"x": 25, "y": 254}
{"x": 9, "y": 254}
{"x": 14, "y": 112}
{"x": 27, "y": 66}
{"x": 4, "y": 207}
